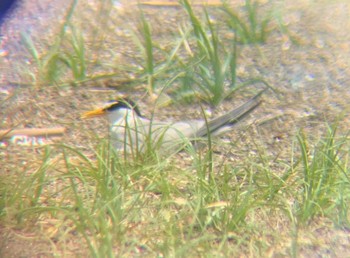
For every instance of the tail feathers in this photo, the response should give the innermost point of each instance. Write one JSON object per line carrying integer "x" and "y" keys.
{"x": 234, "y": 116}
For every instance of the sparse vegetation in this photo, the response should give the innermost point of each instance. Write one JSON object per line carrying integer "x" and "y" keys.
{"x": 193, "y": 204}
{"x": 253, "y": 31}
{"x": 324, "y": 175}
{"x": 55, "y": 61}
{"x": 211, "y": 66}
{"x": 121, "y": 206}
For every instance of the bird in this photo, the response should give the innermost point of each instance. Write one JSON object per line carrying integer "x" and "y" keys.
{"x": 131, "y": 132}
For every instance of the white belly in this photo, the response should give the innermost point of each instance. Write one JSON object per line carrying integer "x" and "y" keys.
{"x": 141, "y": 135}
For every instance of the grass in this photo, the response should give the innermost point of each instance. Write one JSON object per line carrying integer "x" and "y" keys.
{"x": 324, "y": 178}
{"x": 212, "y": 65}
{"x": 147, "y": 205}
{"x": 199, "y": 62}
{"x": 254, "y": 29}
{"x": 156, "y": 63}
{"x": 120, "y": 206}
{"x": 50, "y": 65}
{"x": 145, "y": 43}
{"x": 210, "y": 70}
{"x": 67, "y": 60}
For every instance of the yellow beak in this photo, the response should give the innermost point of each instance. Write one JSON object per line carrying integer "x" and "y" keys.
{"x": 93, "y": 113}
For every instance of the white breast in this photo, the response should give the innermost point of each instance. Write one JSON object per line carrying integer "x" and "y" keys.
{"x": 132, "y": 133}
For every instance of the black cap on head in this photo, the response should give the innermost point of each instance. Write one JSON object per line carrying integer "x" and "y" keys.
{"x": 123, "y": 103}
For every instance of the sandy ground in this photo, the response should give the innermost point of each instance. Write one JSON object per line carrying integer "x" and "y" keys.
{"x": 311, "y": 78}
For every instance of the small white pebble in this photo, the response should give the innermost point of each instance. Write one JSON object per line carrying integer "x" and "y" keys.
{"x": 4, "y": 91}
{"x": 286, "y": 45}
{"x": 208, "y": 113}
{"x": 320, "y": 43}
{"x": 3, "y": 144}
{"x": 310, "y": 77}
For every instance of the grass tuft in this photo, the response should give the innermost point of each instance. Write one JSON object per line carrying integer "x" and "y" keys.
{"x": 211, "y": 65}
{"x": 51, "y": 64}
{"x": 325, "y": 175}
{"x": 252, "y": 30}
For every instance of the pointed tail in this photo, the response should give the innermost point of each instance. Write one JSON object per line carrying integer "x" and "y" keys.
{"x": 232, "y": 117}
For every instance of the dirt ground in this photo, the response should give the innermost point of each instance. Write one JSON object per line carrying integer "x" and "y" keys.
{"x": 311, "y": 77}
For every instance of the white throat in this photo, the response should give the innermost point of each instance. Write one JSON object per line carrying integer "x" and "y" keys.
{"x": 119, "y": 116}
{"x": 124, "y": 128}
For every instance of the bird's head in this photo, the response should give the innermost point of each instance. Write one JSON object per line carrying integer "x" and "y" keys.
{"x": 121, "y": 106}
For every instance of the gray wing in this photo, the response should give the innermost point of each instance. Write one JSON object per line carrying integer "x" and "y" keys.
{"x": 231, "y": 118}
